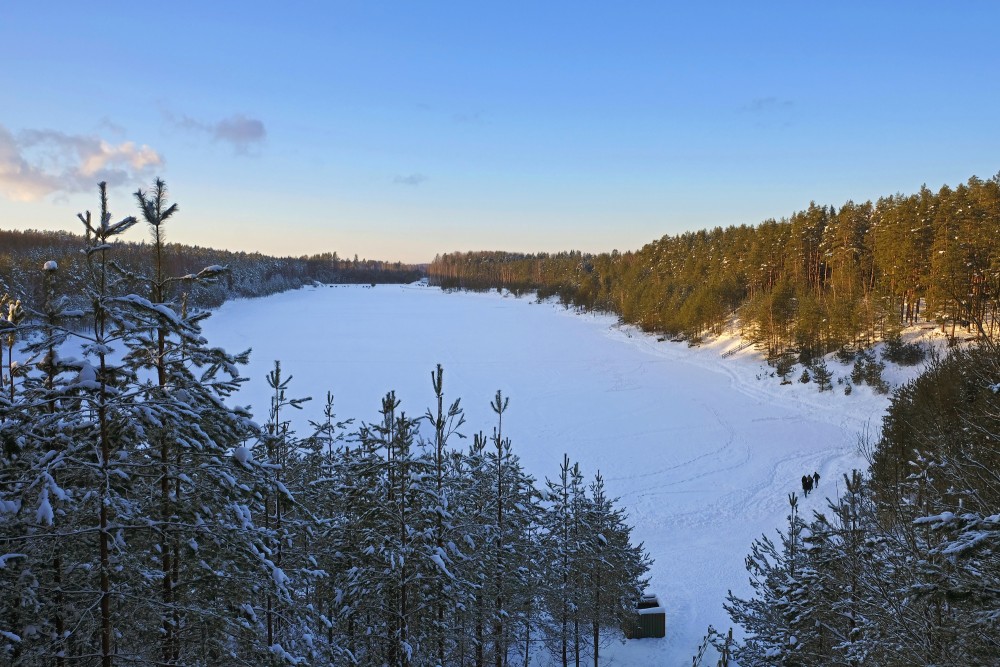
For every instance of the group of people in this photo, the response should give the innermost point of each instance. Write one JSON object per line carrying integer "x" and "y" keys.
{"x": 809, "y": 482}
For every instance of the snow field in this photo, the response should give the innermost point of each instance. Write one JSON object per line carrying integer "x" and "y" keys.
{"x": 702, "y": 451}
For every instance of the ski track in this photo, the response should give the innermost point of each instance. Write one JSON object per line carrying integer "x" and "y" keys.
{"x": 700, "y": 452}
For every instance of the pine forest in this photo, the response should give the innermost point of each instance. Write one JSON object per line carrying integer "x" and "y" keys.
{"x": 822, "y": 279}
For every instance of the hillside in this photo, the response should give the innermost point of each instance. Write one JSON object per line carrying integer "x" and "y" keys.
{"x": 819, "y": 280}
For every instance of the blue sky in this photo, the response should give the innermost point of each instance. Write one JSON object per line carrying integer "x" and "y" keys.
{"x": 397, "y": 130}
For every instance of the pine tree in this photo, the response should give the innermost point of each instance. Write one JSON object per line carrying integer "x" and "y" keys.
{"x": 614, "y": 567}
{"x": 844, "y": 564}
{"x": 771, "y": 617}
{"x": 561, "y": 549}
{"x": 89, "y": 471}
{"x": 383, "y": 583}
{"x": 314, "y": 478}
{"x": 822, "y": 375}
{"x": 509, "y": 547}
{"x": 443, "y": 588}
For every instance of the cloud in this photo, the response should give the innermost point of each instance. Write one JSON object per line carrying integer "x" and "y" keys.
{"x": 412, "y": 179}
{"x": 240, "y": 132}
{"x": 768, "y": 104}
{"x": 38, "y": 163}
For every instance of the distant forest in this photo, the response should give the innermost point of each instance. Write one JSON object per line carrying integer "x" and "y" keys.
{"x": 820, "y": 280}
{"x": 22, "y": 254}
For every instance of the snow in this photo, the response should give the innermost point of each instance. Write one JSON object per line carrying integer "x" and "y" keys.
{"x": 87, "y": 378}
{"x": 160, "y": 309}
{"x": 242, "y": 454}
{"x": 439, "y": 561}
{"x": 652, "y": 610}
{"x": 284, "y": 655}
{"x": 702, "y": 451}
{"x": 6, "y": 557}
{"x": 279, "y": 577}
{"x": 44, "y": 514}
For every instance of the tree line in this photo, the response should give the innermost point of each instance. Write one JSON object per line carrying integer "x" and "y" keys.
{"x": 902, "y": 567}
{"x": 247, "y": 275}
{"x": 822, "y": 279}
{"x": 144, "y": 521}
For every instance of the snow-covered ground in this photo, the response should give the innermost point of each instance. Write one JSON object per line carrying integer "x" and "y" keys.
{"x": 702, "y": 451}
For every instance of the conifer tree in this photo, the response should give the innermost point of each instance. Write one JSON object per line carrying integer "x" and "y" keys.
{"x": 508, "y": 548}
{"x": 90, "y": 473}
{"x": 614, "y": 567}
{"x": 770, "y": 617}
{"x": 822, "y": 375}
{"x": 444, "y": 587}
{"x": 383, "y": 583}
{"x": 561, "y": 550}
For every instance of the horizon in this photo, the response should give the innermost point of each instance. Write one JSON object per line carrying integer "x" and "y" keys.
{"x": 363, "y": 258}
{"x": 398, "y": 132}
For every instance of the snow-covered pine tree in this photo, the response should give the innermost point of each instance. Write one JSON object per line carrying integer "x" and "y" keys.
{"x": 964, "y": 517}
{"x": 89, "y": 479}
{"x": 314, "y": 481}
{"x": 770, "y": 618}
{"x": 69, "y": 432}
{"x": 532, "y": 573}
{"x": 970, "y": 542}
{"x": 106, "y": 425}
{"x": 442, "y": 588}
{"x": 383, "y": 583}
{"x": 24, "y": 479}
{"x": 509, "y": 584}
{"x": 614, "y": 568}
{"x": 579, "y": 550}
{"x": 471, "y": 516}
{"x": 273, "y": 449}
{"x": 924, "y": 619}
{"x": 152, "y": 349}
{"x": 204, "y": 496}
{"x": 844, "y": 566}
{"x": 560, "y": 552}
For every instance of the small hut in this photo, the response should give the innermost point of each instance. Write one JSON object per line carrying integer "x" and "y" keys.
{"x": 650, "y": 619}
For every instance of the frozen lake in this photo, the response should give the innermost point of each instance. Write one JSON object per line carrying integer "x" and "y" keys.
{"x": 701, "y": 450}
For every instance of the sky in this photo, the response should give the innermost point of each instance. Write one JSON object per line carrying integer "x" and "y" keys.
{"x": 399, "y": 130}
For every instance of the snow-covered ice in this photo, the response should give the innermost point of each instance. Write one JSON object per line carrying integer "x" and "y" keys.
{"x": 702, "y": 451}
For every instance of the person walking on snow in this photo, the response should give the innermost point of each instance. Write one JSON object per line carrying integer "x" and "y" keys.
{"x": 805, "y": 487}
{"x": 816, "y": 478}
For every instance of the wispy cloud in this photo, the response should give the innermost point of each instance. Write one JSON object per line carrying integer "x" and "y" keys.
{"x": 240, "y": 132}
{"x": 411, "y": 179}
{"x": 767, "y": 104}
{"x": 37, "y": 163}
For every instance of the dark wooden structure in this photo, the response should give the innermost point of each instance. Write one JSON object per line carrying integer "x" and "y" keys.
{"x": 650, "y": 619}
